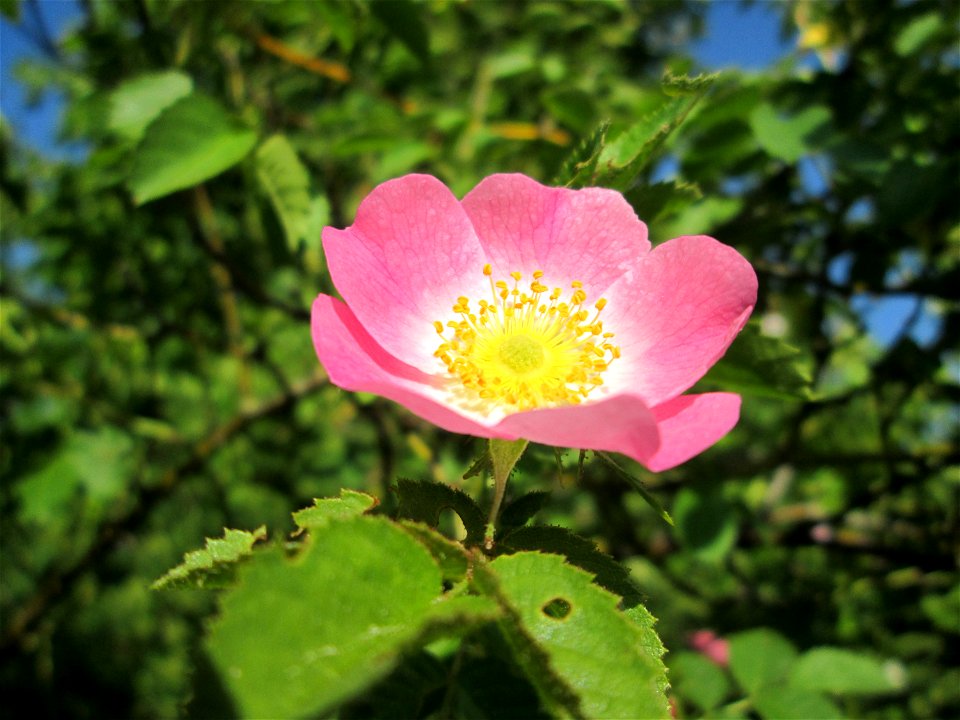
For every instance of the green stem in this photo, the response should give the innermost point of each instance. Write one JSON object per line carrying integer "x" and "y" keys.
{"x": 503, "y": 456}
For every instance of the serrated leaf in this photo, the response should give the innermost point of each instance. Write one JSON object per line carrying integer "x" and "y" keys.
{"x": 404, "y": 20}
{"x": 591, "y": 649}
{"x": 214, "y": 565}
{"x": 687, "y": 85}
{"x": 424, "y": 501}
{"x": 350, "y": 504}
{"x": 519, "y": 512}
{"x": 622, "y": 160}
{"x": 607, "y": 572}
{"x": 759, "y": 365}
{"x": 193, "y": 140}
{"x": 284, "y": 178}
{"x": 637, "y": 485}
{"x": 843, "y": 672}
{"x": 788, "y": 137}
{"x": 760, "y": 657}
{"x": 298, "y": 637}
{"x": 450, "y": 555}
{"x": 580, "y": 167}
{"x": 138, "y": 101}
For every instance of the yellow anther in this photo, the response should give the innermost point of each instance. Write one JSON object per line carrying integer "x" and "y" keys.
{"x": 523, "y": 354}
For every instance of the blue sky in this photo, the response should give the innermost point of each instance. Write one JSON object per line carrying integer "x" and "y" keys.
{"x": 746, "y": 36}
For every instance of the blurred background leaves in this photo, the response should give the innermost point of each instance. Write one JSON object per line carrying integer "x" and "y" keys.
{"x": 158, "y": 382}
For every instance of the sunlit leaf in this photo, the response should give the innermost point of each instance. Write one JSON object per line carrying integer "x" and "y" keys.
{"x": 844, "y": 672}
{"x": 298, "y": 637}
{"x": 583, "y": 655}
{"x": 191, "y": 141}
{"x": 215, "y": 564}
{"x": 788, "y": 137}
{"x": 285, "y": 180}
{"x": 138, "y": 101}
{"x": 350, "y": 504}
{"x": 760, "y": 658}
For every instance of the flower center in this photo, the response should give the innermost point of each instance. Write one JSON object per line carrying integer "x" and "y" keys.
{"x": 521, "y": 353}
{"x": 527, "y": 348}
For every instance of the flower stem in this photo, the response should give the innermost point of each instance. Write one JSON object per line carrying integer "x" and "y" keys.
{"x": 503, "y": 455}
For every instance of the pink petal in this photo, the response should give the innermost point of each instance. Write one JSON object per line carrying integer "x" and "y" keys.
{"x": 402, "y": 264}
{"x": 617, "y": 424}
{"x": 690, "y": 424}
{"x": 676, "y": 315}
{"x": 591, "y": 235}
{"x": 354, "y": 361}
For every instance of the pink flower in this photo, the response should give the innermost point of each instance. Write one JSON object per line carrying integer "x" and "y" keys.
{"x": 524, "y": 311}
{"x": 711, "y": 646}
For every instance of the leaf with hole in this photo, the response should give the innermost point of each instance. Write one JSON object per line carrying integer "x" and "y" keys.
{"x": 424, "y": 501}
{"x": 583, "y": 655}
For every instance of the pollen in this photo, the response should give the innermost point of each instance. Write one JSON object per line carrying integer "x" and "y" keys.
{"x": 527, "y": 346}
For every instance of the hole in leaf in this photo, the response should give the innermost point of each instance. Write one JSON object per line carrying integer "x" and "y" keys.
{"x": 558, "y": 609}
{"x": 451, "y": 525}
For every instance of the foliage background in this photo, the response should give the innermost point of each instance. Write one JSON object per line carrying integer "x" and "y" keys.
{"x": 158, "y": 382}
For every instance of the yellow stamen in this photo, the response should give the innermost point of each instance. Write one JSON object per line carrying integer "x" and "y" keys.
{"x": 521, "y": 353}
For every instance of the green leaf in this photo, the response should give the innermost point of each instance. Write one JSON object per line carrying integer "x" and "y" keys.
{"x": 423, "y": 501}
{"x": 298, "y": 637}
{"x": 622, "y": 160}
{"x": 350, "y": 504}
{"x": 519, "y": 512}
{"x": 698, "y": 680}
{"x": 10, "y": 9}
{"x": 760, "y": 657}
{"x": 706, "y": 523}
{"x": 449, "y": 555}
{"x": 652, "y": 201}
{"x": 607, "y": 572}
{"x": 776, "y": 702}
{"x": 917, "y": 32}
{"x": 584, "y": 656}
{"x": 138, "y": 101}
{"x": 687, "y": 85}
{"x": 285, "y": 180}
{"x": 759, "y": 365}
{"x": 215, "y": 564}
{"x": 94, "y": 466}
{"x": 404, "y": 20}
{"x": 580, "y": 167}
{"x": 844, "y": 672}
{"x": 943, "y": 610}
{"x": 788, "y": 137}
{"x": 637, "y": 485}
{"x": 191, "y": 141}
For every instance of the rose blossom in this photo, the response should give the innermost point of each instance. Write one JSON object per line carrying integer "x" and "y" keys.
{"x": 525, "y": 311}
